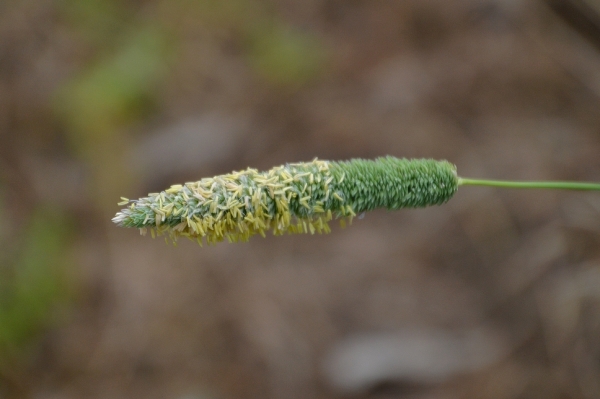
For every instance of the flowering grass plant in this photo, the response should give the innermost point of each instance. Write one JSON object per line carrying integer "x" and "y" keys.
{"x": 299, "y": 197}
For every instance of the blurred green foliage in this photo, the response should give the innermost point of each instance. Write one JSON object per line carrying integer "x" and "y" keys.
{"x": 285, "y": 56}
{"x": 95, "y": 20}
{"x": 117, "y": 86}
{"x": 214, "y": 17}
{"x": 114, "y": 91}
{"x": 33, "y": 283}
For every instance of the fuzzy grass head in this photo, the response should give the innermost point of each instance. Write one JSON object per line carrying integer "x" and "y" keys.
{"x": 292, "y": 198}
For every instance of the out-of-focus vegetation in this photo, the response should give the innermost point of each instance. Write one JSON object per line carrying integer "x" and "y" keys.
{"x": 285, "y": 56}
{"x": 114, "y": 91}
{"x": 35, "y": 283}
{"x": 96, "y": 22}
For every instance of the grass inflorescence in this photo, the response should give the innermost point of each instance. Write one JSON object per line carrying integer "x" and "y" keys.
{"x": 292, "y": 198}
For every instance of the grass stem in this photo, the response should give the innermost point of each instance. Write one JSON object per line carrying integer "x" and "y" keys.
{"x": 562, "y": 185}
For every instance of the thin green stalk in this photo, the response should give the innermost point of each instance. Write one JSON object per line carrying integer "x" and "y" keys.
{"x": 564, "y": 185}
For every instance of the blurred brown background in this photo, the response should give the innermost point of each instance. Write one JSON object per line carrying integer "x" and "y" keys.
{"x": 494, "y": 295}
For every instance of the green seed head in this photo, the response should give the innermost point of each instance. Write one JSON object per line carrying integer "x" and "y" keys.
{"x": 293, "y": 198}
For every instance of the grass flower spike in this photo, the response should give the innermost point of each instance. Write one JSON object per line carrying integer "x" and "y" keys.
{"x": 301, "y": 197}
{"x": 293, "y": 198}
